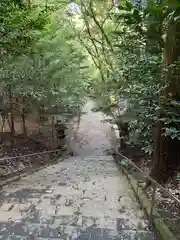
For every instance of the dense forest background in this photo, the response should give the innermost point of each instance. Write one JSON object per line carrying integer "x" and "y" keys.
{"x": 125, "y": 54}
{"x": 55, "y": 54}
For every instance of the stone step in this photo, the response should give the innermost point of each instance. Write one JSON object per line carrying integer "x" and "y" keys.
{"x": 99, "y": 158}
{"x": 19, "y": 230}
{"x": 68, "y": 227}
{"x": 79, "y": 198}
{"x": 78, "y": 220}
{"x": 90, "y": 158}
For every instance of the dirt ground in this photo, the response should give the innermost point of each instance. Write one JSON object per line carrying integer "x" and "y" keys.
{"x": 38, "y": 139}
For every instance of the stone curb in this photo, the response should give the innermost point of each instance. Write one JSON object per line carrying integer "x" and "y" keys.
{"x": 29, "y": 171}
{"x": 161, "y": 227}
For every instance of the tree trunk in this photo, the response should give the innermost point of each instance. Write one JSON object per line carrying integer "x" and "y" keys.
{"x": 11, "y": 111}
{"x": 53, "y": 142}
{"x": 46, "y": 4}
{"x": 23, "y": 116}
{"x": 3, "y": 119}
{"x": 167, "y": 150}
{"x": 24, "y": 123}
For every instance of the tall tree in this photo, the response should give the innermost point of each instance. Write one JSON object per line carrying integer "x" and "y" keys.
{"x": 167, "y": 145}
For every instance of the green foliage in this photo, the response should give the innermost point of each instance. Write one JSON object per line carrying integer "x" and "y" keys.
{"x": 19, "y": 28}
{"x": 126, "y": 46}
{"x": 51, "y": 60}
{"x": 124, "y": 162}
{"x": 42, "y": 63}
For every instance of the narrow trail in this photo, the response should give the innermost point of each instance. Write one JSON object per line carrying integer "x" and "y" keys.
{"x": 84, "y": 197}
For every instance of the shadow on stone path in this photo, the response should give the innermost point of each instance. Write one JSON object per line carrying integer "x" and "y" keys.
{"x": 84, "y": 197}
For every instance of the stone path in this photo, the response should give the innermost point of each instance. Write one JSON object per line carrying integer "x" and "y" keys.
{"x": 83, "y": 197}
{"x": 93, "y": 137}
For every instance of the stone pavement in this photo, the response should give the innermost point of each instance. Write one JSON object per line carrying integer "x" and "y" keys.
{"x": 84, "y": 197}
{"x": 93, "y": 137}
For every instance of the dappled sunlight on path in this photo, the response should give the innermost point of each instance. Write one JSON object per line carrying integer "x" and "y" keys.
{"x": 84, "y": 197}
